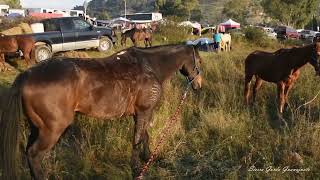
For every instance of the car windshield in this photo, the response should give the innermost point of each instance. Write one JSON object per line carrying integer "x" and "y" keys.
{"x": 305, "y": 32}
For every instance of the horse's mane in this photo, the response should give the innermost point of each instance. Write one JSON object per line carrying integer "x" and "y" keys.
{"x": 292, "y": 49}
{"x": 161, "y": 48}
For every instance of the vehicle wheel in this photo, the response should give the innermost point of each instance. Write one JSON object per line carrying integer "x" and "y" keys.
{"x": 105, "y": 44}
{"x": 42, "y": 53}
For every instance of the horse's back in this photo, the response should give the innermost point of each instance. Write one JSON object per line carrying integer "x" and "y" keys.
{"x": 8, "y": 44}
{"x": 258, "y": 60}
{"x": 25, "y": 40}
{"x": 226, "y": 37}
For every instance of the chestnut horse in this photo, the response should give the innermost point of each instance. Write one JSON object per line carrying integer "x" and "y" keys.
{"x": 127, "y": 83}
{"x": 281, "y": 67}
{"x": 137, "y": 35}
{"x": 12, "y": 44}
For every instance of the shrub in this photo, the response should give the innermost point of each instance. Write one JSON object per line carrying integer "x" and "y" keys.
{"x": 169, "y": 32}
{"x": 257, "y": 37}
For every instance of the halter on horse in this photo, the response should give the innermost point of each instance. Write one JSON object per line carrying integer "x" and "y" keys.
{"x": 128, "y": 83}
{"x": 281, "y": 67}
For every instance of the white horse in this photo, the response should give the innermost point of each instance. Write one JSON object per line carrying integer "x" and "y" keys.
{"x": 226, "y": 42}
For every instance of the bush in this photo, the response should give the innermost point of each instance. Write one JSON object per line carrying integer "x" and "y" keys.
{"x": 258, "y": 37}
{"x": 169, "y": 32}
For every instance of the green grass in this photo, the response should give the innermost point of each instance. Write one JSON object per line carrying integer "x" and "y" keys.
{"x": 216, "y": 137}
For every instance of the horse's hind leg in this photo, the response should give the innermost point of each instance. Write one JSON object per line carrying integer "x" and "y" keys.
{"x": 41, "y": 140}
{"x": 150, "y": 42}
{"x": 256, "y": 87}
{"x": 32, "y": 138}
{"x": 27, "y": 57}
{"x": 146, "y": 43}
{"x": 134, "y": 42}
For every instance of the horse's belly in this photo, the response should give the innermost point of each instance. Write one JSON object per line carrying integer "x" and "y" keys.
{"x": 274, "y": 75}
{"x": 107, "y": 109}
{"x": 109, "y": 104}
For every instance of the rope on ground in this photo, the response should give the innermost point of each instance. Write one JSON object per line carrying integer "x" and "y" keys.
{"x": 314, "y": 98}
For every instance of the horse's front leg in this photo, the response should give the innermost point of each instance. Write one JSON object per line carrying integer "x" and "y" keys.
{"x": 256, "y": 87}
{"x": 281, "y": 95}
{"x": 141, "y": 140}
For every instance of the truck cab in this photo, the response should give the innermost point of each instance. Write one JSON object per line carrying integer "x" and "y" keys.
{"x": 70, "y": 33}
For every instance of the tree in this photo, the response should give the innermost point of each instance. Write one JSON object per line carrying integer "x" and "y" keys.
{"x": 78, "y": 8}
{"x": 103, "y": 15}
{"x": 180, "y": 8}
{"x": 189, "y": 5}
{"x": 296, "y": 13}
{"x": 12, "y": 3}
{"x": 240, "y": 10}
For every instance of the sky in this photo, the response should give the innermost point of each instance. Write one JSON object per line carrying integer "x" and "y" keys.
{"x": 54, "y": 4}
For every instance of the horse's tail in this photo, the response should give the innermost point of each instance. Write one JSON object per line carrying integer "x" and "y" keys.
{"x": 11, "y": 112}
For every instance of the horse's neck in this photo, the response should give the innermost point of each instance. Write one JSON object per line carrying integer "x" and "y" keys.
{"x": 301, "y": 56}
{"x": 167, "y": 65}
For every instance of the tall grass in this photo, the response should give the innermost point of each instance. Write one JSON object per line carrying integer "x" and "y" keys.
{"x": 217, "y": 136}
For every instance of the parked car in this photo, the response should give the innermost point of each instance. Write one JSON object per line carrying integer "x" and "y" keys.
{"x": 70, "y": 33}
{"x": 269, "y": 32}
{"x": 307, "y": 34}
{"x": 317, "y": 36}
{"x": 208, "y": 30}
{"x": 285, "y": 32}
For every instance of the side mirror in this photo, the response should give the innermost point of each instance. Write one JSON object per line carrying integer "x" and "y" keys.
{"x": 92, "y": 28}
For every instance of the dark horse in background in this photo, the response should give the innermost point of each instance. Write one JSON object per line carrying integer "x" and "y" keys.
{"x": 127, "y": 83}
{"x": 281, "y": 67}
{"x": 12, "y": 44}
{"x": 137, "y": 35}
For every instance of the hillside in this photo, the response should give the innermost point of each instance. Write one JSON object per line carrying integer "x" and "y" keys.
{"x": 211, "y": 9}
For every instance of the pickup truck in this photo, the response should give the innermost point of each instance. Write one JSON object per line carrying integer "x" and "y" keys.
{"x": 70, "y": 33}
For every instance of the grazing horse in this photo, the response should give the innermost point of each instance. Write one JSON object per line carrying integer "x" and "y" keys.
{"x": 12, "y": 44}
{"x": 137, "y": 35}
{"x": 226, "y": 42}
{"x": 281, "y": 67}
{"x": 127, "y": 83}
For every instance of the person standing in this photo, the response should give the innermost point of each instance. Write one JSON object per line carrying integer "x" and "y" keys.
{"x": 217, "y": 37}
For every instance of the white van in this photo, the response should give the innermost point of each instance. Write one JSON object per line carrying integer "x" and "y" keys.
{"x": 4, "y": 9}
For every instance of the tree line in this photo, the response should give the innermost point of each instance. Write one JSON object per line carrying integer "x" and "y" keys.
{"x": 296, "y": 13}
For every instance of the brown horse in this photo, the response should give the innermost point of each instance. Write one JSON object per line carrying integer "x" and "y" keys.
{"x": 127, "y": 83}
{"x": 137, "y": 35}
{"x": 281, "y": 67}
{"x": 12, "y": 44}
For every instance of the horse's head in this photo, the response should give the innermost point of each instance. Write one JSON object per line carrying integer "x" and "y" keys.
{"x": 314, "y": 61}
{"x": 191, "y": 68}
